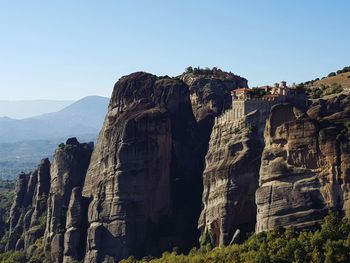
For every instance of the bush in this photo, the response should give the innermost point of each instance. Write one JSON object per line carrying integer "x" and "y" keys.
{"x": 333, "y": 89}
{"x": 319, "y": 92}
{"x": 329, "y": 244}
{"x": 4, "y": 241}
{"x": 332, "y": 74}
{"x": 258, "y": 93}
{"x": 189, "y": 70}
{"x": 13, "y": 257}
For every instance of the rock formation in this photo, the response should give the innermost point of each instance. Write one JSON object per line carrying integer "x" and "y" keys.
{"x": 65, "y": 216}
{"x": 305, "y": 164}
{"x": 139, "y": 192}
{"x": 144, "y": 178}
{"x": 27, "y": 216}
{"x": 210, "y": 93}
{"x": 76, "y": 226}
{"x": 231, "y": 178}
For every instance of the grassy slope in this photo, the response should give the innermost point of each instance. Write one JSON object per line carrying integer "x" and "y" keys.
{"x": 343, "y": 79}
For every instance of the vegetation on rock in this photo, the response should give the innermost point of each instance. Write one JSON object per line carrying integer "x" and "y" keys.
{"x": 216, "y": 72}
{"x": 340, "y": 78}
{"x": 6, "y": 198}
{"x": 319, "y": 92}
{"x": 331, "y": 243}
{"x": 35, "y": 256}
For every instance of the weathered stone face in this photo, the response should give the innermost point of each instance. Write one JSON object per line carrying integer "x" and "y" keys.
{"x": 76, "y": 227}
{"x": 29, "y": 207}
{"x": 140, "y": 194}
{"x": 65, "y": 206}
{"x": 231, "y": 178}
{"x": 305, "y": 164}
{"x": 211, "y": 93}
{"x": 210, "y": 96}
{"x": 144, "y": 176}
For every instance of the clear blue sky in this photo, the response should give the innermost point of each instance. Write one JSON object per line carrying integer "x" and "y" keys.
{"x": 70, "y": 49}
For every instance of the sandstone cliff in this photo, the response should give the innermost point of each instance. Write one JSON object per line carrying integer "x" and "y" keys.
{"x": 144, "y": 178}
{"x": 27, "y": 215}
{"x": 231, "y": 178}
{"x": 139, "y": 192}
{"x": 305, "y": 164}
{"x": 210, "y": 93}
{"x": 65, "y": 234}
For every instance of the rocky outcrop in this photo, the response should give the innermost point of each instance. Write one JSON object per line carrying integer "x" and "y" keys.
{"x": 231, "y": 178}
{"x": 65, "y": 219}
{"x": 144, "y": 178}
{"x": 139, "y": 192}
{"x": 27, "y": 215}
{"x": 305, "y": 164}
{"x": 76, "y": 226}
{"x": 210, "y": 93}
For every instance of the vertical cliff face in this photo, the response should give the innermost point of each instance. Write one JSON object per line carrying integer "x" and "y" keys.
{"x": 27, "y": 215}
{"x": 139, "y": 192}
{"x": 144, "y": 178}
{"x": 210, "y": 93}
{"x": 76, "y": 227}
{"x": 305, "y": 164}
{"x": 231, "y": 178}
{"x": 65, "y": 218}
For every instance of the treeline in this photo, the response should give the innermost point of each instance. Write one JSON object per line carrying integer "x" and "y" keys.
{"x": 340, "y": 71}
{"x": 329, "y": 244}
{"x": 227, "y": 76}
{"x": 332, "y": 74}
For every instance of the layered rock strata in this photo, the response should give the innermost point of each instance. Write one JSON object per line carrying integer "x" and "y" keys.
{"x": 76, "y": 227}
{"x": 27, "y": 215}
{"x": 64, "y": 236}
{"x": 210, "y": 93}
{"x": 305, "y": 164}
{"x": 144, "y": 178}
{"x": 231, "y": 178}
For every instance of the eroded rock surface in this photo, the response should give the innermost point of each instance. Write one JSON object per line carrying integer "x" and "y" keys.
{"x": 305, "y": 164}
{"x": 144, "y": 178}
{"x": 210, "y": 93}
{"x": 76, "y": 226}
{"x": 64, "y": 211}
{"x": 231, "y": 178}
{"x": 27, "y": 215}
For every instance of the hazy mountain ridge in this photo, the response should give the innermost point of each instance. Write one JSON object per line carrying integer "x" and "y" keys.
{"x": 24, "y": 142}
{"x": 82, "y": 117}
{"x": 20, "y": 109}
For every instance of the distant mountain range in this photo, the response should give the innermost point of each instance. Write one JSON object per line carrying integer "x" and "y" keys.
{"x": 20, "y": 109}
{"x": 24, "y": 142}
{"x": 82, "y": 117}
